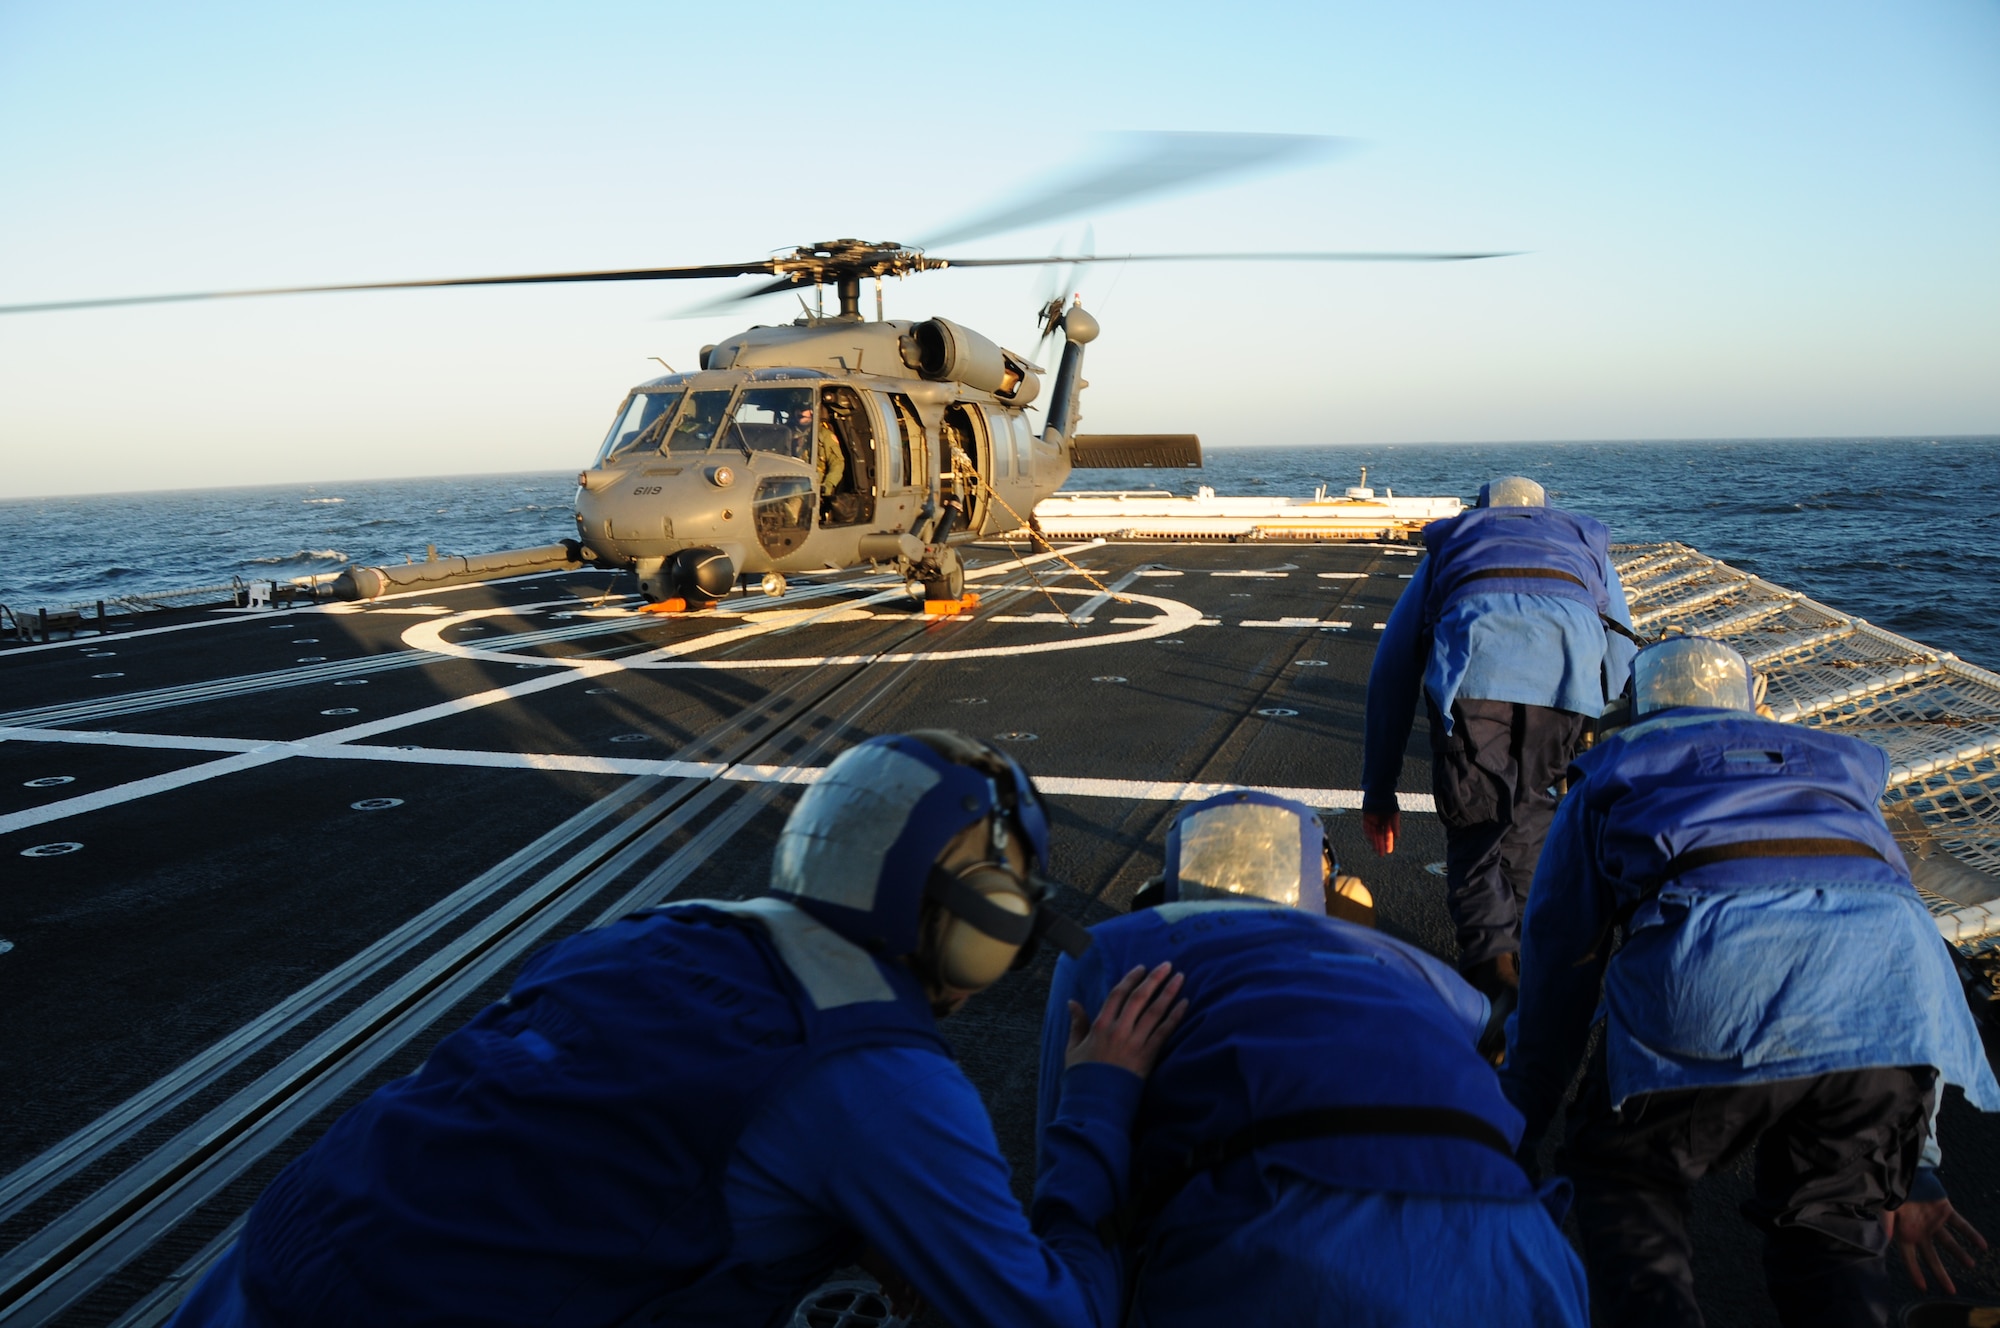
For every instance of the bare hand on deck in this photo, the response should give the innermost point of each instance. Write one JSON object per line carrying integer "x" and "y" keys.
{"x": 1138, "y": 1017}
{"x": 1922, "y": 1227}
{"x": 1381, "y": 828}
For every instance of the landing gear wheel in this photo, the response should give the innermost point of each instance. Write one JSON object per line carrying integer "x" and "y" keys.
{"x": 949, "y": 583}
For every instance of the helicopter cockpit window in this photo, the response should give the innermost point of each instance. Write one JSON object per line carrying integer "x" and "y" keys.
{"x": 642, "y": 423}
{"x": 695, "y": 429}
{"x": 773, "y": 419}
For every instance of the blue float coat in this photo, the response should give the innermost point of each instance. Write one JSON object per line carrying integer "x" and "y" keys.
{"x": 1743, "y": 971}
{"x": 696, "y": 1113}
{"x": 1531, "y": 643}
{"x": 1290, "y": 1012}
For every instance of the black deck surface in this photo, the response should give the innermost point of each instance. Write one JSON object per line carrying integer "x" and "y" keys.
{"x": 231, "y": 792}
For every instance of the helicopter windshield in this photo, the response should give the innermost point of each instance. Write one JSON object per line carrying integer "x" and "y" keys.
{"x": 641, "y": 424}
{"x": 772, "y": 419}
{"x": 695, "y": 429}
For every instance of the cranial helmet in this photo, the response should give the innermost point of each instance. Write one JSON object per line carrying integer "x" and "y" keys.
{"x": 1246, "y": 845}
{"x": 1512, "y": 491}
{"x": 1690, "y": 671}
{"x": 860, "y": 854}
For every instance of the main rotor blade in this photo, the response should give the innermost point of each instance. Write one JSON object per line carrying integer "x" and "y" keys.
{"x": 1346, "y": 257}
{"x": 1136, "y": 166}
{"x": 701, "y": 273}
{"x": 724, "y": 303}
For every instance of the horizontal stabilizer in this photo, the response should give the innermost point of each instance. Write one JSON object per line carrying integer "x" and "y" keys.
{"x": 1136, "y": 451}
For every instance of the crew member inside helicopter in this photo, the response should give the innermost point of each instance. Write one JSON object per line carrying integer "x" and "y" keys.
{"x": 831, "y": 457}
{"x": 1322, "y": 1142}
{"x": 696, "y": 1113}
{"x": 1779, "y": 983}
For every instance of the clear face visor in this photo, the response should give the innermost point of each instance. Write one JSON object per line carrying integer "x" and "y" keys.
{"x": 1249, "y": 850}
{"x": 1691, "y": 671}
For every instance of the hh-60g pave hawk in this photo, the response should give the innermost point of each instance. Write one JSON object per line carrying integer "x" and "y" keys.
{"x": 833, "y": 441}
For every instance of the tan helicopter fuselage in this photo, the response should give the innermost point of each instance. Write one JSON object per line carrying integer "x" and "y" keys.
{"x": 733, "y": 458}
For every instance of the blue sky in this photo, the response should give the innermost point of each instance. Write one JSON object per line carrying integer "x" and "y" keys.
{"x": 1741, "y": 220}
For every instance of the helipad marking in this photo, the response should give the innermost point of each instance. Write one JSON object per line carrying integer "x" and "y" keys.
{"x": 264, "y": 753}
{"x": 1173, "y": 615}
{"x": 1071, "y": 786}
{"x": 1082, "y": 612}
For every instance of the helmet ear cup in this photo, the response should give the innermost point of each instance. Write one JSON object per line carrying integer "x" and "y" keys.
{"x": 968, "y": 958}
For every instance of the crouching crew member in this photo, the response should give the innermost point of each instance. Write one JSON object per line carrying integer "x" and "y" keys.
{"x": 692, "y": 1115}
{"x": 1779, "y": 982}
{"x": 1502, "y": 630}
{"x": 1321, "y": 1142}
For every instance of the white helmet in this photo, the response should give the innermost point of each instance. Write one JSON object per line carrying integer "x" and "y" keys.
{"x": 1690, "y": 671}
{"x": 1512, "y": 491}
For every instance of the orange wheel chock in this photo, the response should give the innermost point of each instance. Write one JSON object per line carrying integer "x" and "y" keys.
{"x": 951, "y": 608}
{"x": 667, "y": 606}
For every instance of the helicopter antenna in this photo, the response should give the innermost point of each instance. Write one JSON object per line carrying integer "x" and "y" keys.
{"x": 878, "y": 297}
{"x": 805, "y": 308}
{"x": 662, "y": 363}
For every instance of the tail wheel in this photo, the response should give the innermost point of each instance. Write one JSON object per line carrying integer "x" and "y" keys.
{"x": 949, "y": 583}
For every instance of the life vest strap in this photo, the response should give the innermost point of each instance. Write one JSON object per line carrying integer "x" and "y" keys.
{"x": 1511, "y": 573}
{"x": 1296, "y": 1127}
{"x": 1682, "y": 863}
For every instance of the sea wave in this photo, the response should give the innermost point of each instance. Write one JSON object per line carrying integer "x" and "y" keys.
{"x": 299, "y": 558}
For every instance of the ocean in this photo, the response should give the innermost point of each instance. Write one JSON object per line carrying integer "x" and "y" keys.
{"x": 1902, "y": 532}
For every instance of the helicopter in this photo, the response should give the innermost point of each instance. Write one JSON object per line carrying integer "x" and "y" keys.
{"x": 834, "y": 441}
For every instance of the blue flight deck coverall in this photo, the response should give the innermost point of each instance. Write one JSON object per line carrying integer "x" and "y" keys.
{"x": 1499, "y": 630}
{"x": 689, "y": 1117}
{"x": 1804, "y": 995}
{"x": 1393, "y": 1217}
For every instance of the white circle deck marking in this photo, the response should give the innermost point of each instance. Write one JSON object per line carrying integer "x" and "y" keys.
{"x": 1276, "y": 712}
{"x": 375, "y": 804}
{"x": 312, "y": 659}
{"x": 968, "y": 700}
{"x": 1173, "y": 616}
{"x": 306, "y": 641}
{"x": 352, "y": 682}
{"x": 631, "y": 737}
{"x": 49, "y": 781}
{"x": 1108, "y": 677}
{"x": 1310, "y": 663}
{"x": 54, "y": 850}
{"x": 1015, "y": 737}
{"x": 5, "y": 946}
{"x": 1434, "y": 868}
{"x": 107, "y": 675}
{"x": 341, "y": 710}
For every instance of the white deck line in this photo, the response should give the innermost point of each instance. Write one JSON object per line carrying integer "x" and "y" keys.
{"x": 1082, "y": 613}
{"x": 330, "y": 744}
{"x": 252, "y": 752}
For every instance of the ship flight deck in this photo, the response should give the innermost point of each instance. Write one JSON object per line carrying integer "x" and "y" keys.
{"x": 258, "y": 860}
